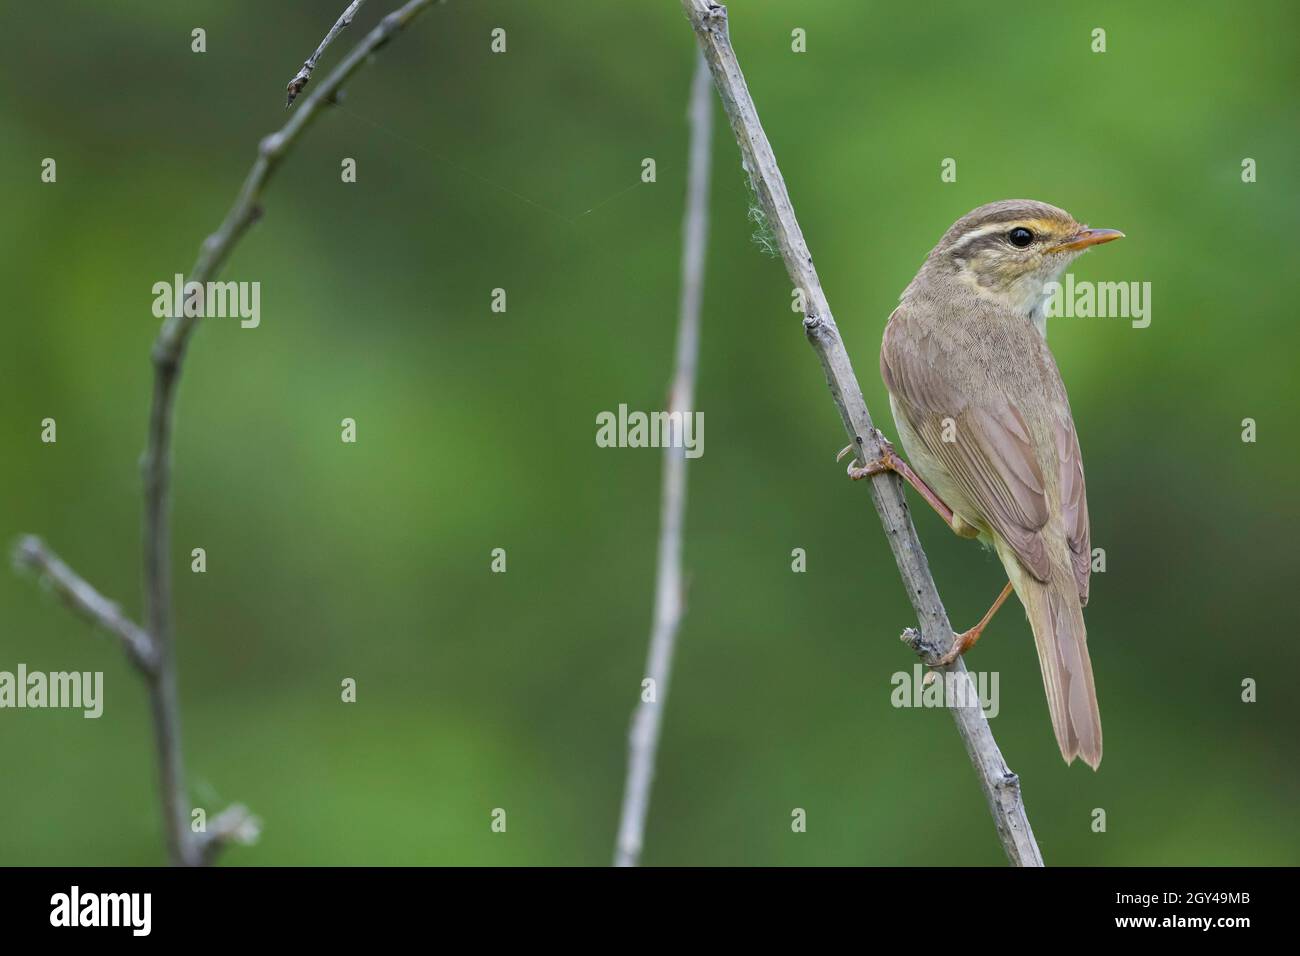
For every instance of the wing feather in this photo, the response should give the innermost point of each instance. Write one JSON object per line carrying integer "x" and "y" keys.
{"x": 984, "y": 444}
{"x": 1074, "y": 505}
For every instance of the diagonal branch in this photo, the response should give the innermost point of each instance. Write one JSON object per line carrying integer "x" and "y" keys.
{"x": 1001, "y": 786}
{"x": 643, "y": 738}
{"x": 303, "y": 76}
{"x": 32, "y": 554}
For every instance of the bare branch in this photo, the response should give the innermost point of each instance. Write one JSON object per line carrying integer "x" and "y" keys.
{"x": 1001, "y": 787}
{"x": 303, "y": 76}
{"x": 32, "y": 554}
{"x": 643, "y": 738}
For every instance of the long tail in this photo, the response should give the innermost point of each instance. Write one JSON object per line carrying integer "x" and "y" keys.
{"x": 1057, "y": 620}
{"x": 1062, "y": 640}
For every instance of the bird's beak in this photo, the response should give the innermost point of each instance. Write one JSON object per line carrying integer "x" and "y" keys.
{"x": 1087, "y": 237}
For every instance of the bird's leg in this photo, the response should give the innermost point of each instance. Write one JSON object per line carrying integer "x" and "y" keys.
{"x": 889, "y": 461}
{"x": 963, "y": 642}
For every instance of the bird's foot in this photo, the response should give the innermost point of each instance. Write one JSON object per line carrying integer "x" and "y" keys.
{"x": 887, "y": 461}
{"x": 961, "y": 643}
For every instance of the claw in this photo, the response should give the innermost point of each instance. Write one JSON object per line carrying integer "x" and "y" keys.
{"x": 961, "y": 643}
{"x": 886, "y": 462}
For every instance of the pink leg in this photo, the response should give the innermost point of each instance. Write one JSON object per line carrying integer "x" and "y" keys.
{"x": 963, "y": 642}
{"x": 889, "y": 461}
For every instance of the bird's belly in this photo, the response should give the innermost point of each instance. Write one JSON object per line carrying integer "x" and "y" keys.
{"x": 935, "y": 474}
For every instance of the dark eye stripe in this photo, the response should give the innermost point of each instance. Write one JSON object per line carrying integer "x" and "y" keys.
{"x": 974, "y": 246}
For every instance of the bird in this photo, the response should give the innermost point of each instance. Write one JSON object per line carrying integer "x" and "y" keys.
{"x": 985, "y": 422}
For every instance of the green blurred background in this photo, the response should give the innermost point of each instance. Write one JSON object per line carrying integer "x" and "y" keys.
{"x": 476, "y": 430}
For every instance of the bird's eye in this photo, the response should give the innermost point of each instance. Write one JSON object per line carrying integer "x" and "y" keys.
{"x": 1020, "y": 237}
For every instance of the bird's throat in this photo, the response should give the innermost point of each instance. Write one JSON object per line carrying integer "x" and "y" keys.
{"x": 1024, "y": 295}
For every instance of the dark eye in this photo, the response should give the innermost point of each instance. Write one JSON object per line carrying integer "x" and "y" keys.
{"x": 1020, "y": 237}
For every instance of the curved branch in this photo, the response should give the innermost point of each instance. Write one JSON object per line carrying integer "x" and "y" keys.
{"x": 168, "y": 353}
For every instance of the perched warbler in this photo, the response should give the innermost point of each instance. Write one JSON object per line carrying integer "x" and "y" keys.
{"x": 983, "y": 416}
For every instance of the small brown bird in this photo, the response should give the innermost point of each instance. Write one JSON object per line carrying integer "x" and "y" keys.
{"x": 983, "y": 416}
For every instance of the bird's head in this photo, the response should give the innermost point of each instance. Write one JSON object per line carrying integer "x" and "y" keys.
{"x": 1010, "y": 250}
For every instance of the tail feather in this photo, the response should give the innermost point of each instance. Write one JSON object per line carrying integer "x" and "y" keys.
{"x": 1057, "y": 621}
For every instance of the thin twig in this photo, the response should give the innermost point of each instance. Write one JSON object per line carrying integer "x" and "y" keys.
{"x": 303, "y": 76}
{"x": 232, "y": 825}
{"x": 1001, "y": 786}
{"x": 32, "y": 554}
{"x": 643, "y": 737}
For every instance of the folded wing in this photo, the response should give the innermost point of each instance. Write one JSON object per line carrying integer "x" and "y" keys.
{"x": 985, "y": 445}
